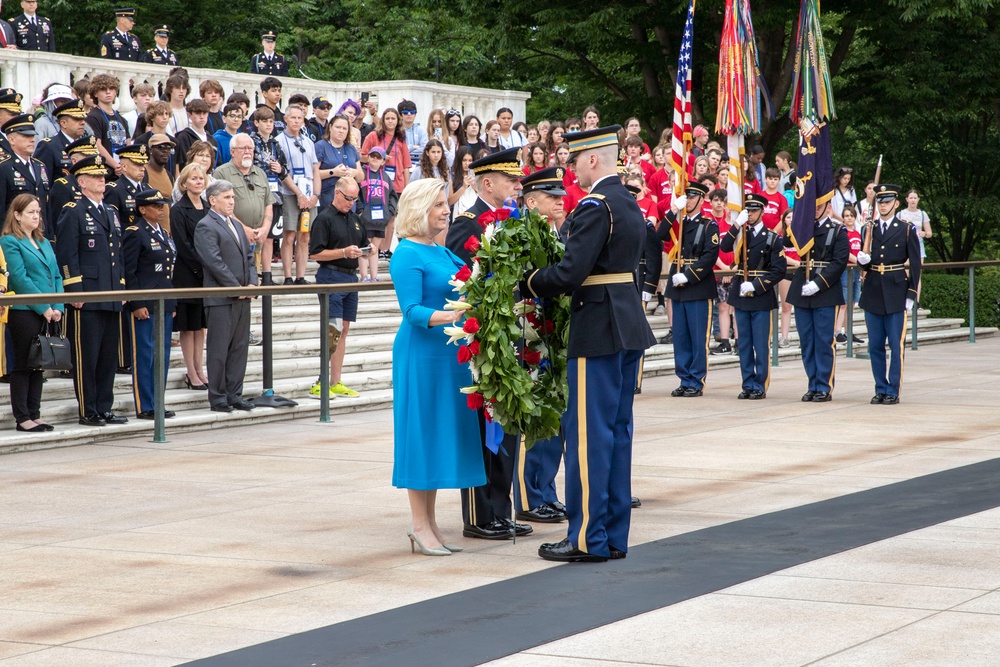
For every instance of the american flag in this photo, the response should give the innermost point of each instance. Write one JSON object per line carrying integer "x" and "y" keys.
{"x": 680, "y": 145}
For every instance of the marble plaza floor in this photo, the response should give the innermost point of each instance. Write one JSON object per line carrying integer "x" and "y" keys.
{"x": 771, "y": 533}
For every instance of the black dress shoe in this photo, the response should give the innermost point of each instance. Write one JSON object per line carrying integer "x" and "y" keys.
{"x": 889, "y": 399}
{"x": 520, "y": 529}
{"x": 151, "y": 414}
{"x": 112, "y": 418}
{"x": 678, "y": 392}
{"x": 567, "y": 553}
{"x": 636, "y": 503}
{"x": 37, "y": 428}
{"x": 617, "y": 554}
{"x": 492, "y": 531}
{"x": 93, "y": 420}
{"x": 47, "y": 427}
{"x": 242, "y": 405}
{"x": 757, "y": 395}
{"x": 124, "y": 370}
{"x": 222, "y": 408}
{"x": 691, "y": 392}
{"x": 877, "y": 399}
{"x": 744, "y": 394}
{"x": 541, "y": 514}
{"x": 822, "y": 397}
{"x": 557, "y": 506}
{"x": 808, "y": 396}
{"x": 301, "y": 281}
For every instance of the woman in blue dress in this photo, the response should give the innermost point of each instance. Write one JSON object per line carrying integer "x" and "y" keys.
{"x": 437, "y": 441}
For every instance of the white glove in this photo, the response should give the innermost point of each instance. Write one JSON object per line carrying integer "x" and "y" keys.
{"x": 864, "y": 258}
{"x": 679, "y": 203}
{"x": 647, "y": 296}
{"x": 810, "y": 288}
{"x": 742, "y": 218}
{"x": 679, "y": 279}
{"x": 746, "y": 288}
{"x": 909, "y": 305}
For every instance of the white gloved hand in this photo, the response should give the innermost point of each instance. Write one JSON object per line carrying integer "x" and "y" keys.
{"x": 909, "y": 305}
{"x": 864, "y": 258}
{"x": 742, "y": 218}
{"x": 746, "y": 288}
{"x": 810, "y": 288}
{"x": 679, "y": 203}
{"x": 679, "y": 279}
{"x": 647, "y": 296}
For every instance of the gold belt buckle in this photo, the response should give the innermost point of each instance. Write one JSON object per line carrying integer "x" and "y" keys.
{"x": 881, "y": 269}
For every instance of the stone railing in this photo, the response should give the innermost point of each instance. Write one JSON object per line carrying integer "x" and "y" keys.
{"x": 29, "y": 72}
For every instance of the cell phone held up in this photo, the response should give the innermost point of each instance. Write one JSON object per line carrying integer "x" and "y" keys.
{"x": 364, "y": 97}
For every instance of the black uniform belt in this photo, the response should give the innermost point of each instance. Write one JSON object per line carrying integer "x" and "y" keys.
{"x": 608, "y": 279}
{"x": 341, "y": 269}
{"x": 886, "y": 268}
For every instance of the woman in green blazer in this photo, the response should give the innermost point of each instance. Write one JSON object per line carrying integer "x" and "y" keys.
{"x": 32, "y": 269}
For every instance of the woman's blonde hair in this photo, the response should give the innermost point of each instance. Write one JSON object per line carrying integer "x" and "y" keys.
{"x": 186, "y": 174}
{"x": 414, "y": 204}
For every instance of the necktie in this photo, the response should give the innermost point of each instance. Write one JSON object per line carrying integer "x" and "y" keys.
{"x": 3, "y": 39}
{"x": 232, "y": 228}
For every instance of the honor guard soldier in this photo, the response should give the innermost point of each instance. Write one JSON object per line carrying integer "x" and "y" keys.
{"x": 90, "y": 259}
{"x": 752, "y": 292}
{"x": 52, "y": 150}
{"x": 64, "y": 188}
{"x": 486, "y": 510}
{"x": 161, "y": 53}
{"x": 33, "y": 32}
{"x": 10, "y": 106}
{"x": 816, "y": 294}
{"x": 148, "y": 253}
{"x": 890, "y": 291}
{"x": 650, "y": 266}
{"x": 608, "y": 333}
{"x": 21, "y": 173}
{"x": 535, "y": 496}
{"x": 691, "y": 286}
{"x": 120, "y": 44}
{"x": 268, "y": 62}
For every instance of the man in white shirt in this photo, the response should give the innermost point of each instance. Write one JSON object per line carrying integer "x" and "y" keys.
{"x": 300, "y": 199}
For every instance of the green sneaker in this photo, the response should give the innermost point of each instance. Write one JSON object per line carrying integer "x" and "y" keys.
{"x": 315, "y": 390}
{"x": 340, "y": 390}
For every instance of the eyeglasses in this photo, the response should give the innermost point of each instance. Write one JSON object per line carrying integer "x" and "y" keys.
{"x": 233, "y": 149}
{"x": 453, "y": 112}
{"x": 410, "y": 112}
{"x": 234, "y": 114}
{"x": 350, "y": 199}
{"x": 246, "y": 181}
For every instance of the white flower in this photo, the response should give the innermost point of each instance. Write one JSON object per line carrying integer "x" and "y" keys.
{"x": 473, "y": 389}
{"x": 524, "y": 307}
{"x": 457, "y": 284}
{"x": 489, "y": 232}
{"x": 534, "y": 375}
{"x": 475, "y": 271}
{"x": 454, "y": 334}
{"x": 530, "y": 334}
{"x": 475, "y": 372}
{"x": 457, "y": 305}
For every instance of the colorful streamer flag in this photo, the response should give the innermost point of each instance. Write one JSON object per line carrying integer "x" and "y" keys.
{"x": 681, "y": 157}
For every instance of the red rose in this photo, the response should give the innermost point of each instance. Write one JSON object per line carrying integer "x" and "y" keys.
{"x": 463, "y": 274}
{"x": 471, "y": 325}
{"x": 502, "y": 214}
{"x": 474, "y": 401}
{"x": 531, "y": 357}
{"x": 474, "y": 347}
{"x": 464, "y": 354}
{"x": 472, "y": 245}
{"x": 548, "y": 327}
{"x": 486, "y": 218}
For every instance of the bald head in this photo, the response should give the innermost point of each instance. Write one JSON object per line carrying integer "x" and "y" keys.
{"x": 596, "y": 163}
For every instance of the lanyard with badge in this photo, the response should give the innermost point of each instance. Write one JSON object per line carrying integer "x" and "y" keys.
{"x": 376, "y": 188}
{"x": 302, "y": 182}
{"x": 267, "y": 156}
{"x": 390, "y": 172}
{"x": 116, "y": 131}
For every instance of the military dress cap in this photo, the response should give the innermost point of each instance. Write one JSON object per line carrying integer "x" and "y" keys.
{"x": 126, "y": 11}
{"x": 755, "y": 202}
{"x": 634, "y": 190}
{"x": 887, "y": 192}
{"x": 590, "y": 139}
{"x": 137, "y": 153}
{"x": 548, "y": 181}
{"x": 20, "y": 124}
{"x": 269, "y": 35}
{"x": 10, "y": 100}
{"x": 92, "y": 165}
{"x": 162, "y": 30}
{"x": 85, "y": 145}
{"x": 150, "y": 197}
{"x": 505, "y": 162}
{"x": 696, "y": 189}
{"x": 74, "y": 109}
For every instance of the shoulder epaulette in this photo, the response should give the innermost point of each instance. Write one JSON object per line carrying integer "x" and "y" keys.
{"x": 69, "y": 204}
{"x": 110, "y": 32}
{"x": 46, "y": 140}
{"x": 594, "y": 195}
{"x": 133, "y": 228}
{"x": 466, "y": 214}
{"x": 62, "y": 180}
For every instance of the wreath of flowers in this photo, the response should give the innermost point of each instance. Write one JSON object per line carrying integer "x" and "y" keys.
{"x": 516, "y": 350}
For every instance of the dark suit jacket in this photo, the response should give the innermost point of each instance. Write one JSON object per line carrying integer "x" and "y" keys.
{"x": 8, "y": 33}
{"x": 887, "y": 292}
{"x": 227, "y": 263}
{"x": 835, "y": 254}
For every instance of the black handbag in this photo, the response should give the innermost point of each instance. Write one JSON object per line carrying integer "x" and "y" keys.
{"x": 50, "y": 350}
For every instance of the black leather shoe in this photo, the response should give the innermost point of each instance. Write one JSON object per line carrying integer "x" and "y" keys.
{"x": 541, "y": 514}
{"x": 744, "y": 394}
{"x": 242, "y": 405}
{"x": 222, "y": 408}
{"x": 636, "y": 503}
{"x": 678, "y": 392}
{"x": 492, "y": 531}
{"x": 37, "y": 428}
{"x": 757, "y": 395}
{"x": 888, "y": 399}
{"x": 617, "y": 554}
{"x": 112, "y": 418}
{"x": 877, "y": 399}
{"x": 808, "y": 396}
{"x": 668, "y": 339}
{"x": 822, "y": 397}
{"x": 93, "y": 420}
{"x": 520, "y": 529}
{"x": 567, "y": 553}
{"x": 123, "y": 370}
{"x": 691, "y": 392}
{"x": 151, "y": 414}
{"x": 557, "y": 506}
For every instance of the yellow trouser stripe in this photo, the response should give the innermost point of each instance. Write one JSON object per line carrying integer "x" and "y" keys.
{"x": 902, "y": 352}
{"x": 79, "y": 362}
{"x": 581, "y": 426}
{"x": 638, "y": 379}
{"x": 833, "y": 347}
{"x": 770, "y": 337}
{"x": 135, "y": 370}
{"x": 521, "y": 454}
{"x": 708, "y": 340}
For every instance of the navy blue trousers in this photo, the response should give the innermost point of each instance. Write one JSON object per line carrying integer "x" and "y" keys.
{"x": 819, "y": 356}
{"x": 882, "y": 329}
{"x": 692, "y": 330}
{"x": 755, "y": 327}
{"x": 536, "y": 471}
{"x": 143, "y": 375}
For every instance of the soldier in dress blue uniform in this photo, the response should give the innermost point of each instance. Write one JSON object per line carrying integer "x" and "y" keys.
{"x": 651, "y": 264}
{"x": 268, "y": 62}
{"x": 120, "y": 44}
{"x": 64, "y": 188}
{"x": 535, "y": 496}
{"x": 10, "y": 106}
{"x": 90, "y": 259}
{"x": 890, "y": 291}
{"x": 815, "y": 292}
{"x": 691, "y": 287}
{"x": 149, "y": 254}
{"x": 52, "y": 150}
{"x": 34, "y": 32}
{"x": 754, "y": 297}
{"x": 20, "y": 173}
{"x": 486, "y": 510}
{"x": 161, "y": 53}
{"x": 607, "y": 335}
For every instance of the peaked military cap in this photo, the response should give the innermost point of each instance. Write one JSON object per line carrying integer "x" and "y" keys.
{"x": 549, "y": 181}
{"x": 755, "y": 202}
{"x": 137, "y": 153}
{"x": 269, "y": 35}
{"x": 126, "y": 11}
{"x": 10, "y": 100}
{"x": 20, "y": 124}
{"x": 696, "y": 189}
{"x": 162, "y": 30}
{"x": 505, "y": 162}
{"x": 887, "y": 192}
{"x": 150, "y": 197}
{"x": 590, "y": 139}
{"x": 86, "y": 145}
{"x": 92, "y": 165}
{"x": 74, "y": 109}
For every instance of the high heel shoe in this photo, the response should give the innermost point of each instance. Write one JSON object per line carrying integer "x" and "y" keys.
{"x": 415, "y": 542}
{"x": 452, "y": 548}
{"x": 198, "y": 387}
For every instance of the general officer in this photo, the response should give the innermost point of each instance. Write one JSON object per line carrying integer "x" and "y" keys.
{"x": 21, "y": 173}
{"x": 486, "y": 510}
{"x": 691, "y": 287}
{"x": 607, "y": 334}
{"x": 890, "y": 291}
{"x": 10, "y": 106}
{"x": 752, "y": 295}
{"x": 535, "y": 496}
{"x": 161, "y": 53}
{"x": 33, "y": 32}
{"x": 120, "y": 44}
{"x": 268, "y": 62}
{"x": 89, "y": 254}
{"x": 64, "y": 189}
{"x": 148, "y": 253}
{"x": 52, "y": 150}
{"x": 815, "y": 292}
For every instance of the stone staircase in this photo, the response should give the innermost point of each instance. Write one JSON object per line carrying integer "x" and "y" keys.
{"x": 367, "y": 368}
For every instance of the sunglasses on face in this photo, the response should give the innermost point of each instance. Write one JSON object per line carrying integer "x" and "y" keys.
{"x": 350, "y": 199}
{"x": 410, "y": 113}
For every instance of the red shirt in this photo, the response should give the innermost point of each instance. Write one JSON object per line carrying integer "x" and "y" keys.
{"x": 750, "y": 187}
{"x": 574, "y": 193}
{"x": 776, "y": 206}
{"x": 659, "y": 188}
{"x": 854, "y": 238}
{"x": 528, "y": 171}
{"x": 648, "y": 208}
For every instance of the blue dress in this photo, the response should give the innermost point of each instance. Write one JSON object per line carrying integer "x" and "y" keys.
{"x": 437, "y": 439}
